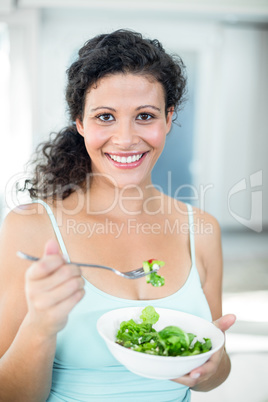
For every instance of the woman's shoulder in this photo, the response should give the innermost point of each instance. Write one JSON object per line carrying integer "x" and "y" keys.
{"x": 204, "y": 226}
{"x": 28, "y": 226}
{"x": 201, "y": 218}
{"x": 207, "y": 240}
{"x": 27, "y": 214}
{"x": 207, "y": 237}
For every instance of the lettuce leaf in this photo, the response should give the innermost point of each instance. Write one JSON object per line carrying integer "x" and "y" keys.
{"x": 170, "y": 341}
{"x": 149, "y": 315}
{"x": 153, "y": 278}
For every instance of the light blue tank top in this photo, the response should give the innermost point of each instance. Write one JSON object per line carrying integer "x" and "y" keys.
{"x": 85, "y": 370}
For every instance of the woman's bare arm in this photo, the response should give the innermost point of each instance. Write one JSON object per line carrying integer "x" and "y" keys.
{"x": 34, "y": 306}
{"x": 208, "y": 246}
{"x": 213, "y": 263}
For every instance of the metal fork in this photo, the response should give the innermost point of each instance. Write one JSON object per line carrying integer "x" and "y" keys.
{"x": 135, "y": 274}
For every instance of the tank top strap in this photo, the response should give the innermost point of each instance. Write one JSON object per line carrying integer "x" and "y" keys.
{"x": 191, "y": 231}
{"x": 55, "y": 227}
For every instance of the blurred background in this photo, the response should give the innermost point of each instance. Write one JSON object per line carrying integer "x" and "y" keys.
{"x": 215, "y": 156}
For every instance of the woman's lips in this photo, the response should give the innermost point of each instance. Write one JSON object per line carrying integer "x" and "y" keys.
{"x": 126, "y": 161}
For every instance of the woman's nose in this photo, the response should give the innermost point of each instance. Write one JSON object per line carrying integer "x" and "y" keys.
{"x": 125, "y": 135}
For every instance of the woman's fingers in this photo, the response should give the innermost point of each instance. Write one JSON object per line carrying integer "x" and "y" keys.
{"x": 209, "y": 368}
{"x": 50, "y": 261}
{"x": 51, "y": 247}
{"x": 225, "y": 322}
{"x": 57, "y": 315}
{"x": 56, "y": 278}
{"x": 44, "y": 267}
{"x": 59, "y": 294}
{"x": 52, "y": 288}
{"x": 203, "y": 372}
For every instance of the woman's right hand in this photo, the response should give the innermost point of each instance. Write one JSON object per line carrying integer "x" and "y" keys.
{"x": 52, "y": 289}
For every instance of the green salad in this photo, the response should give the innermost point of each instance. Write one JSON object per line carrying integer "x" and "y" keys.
{"x": 170, "y": 341}
{"x": 154, "y": 279}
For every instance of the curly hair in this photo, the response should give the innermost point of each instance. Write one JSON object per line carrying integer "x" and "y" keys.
{"x": 63, "y": 162}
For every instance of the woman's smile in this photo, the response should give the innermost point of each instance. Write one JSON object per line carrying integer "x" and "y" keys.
{"x": 126, "y": 160}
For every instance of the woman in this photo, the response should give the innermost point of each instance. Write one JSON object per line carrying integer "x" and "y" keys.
{"x": 93, "y": 201}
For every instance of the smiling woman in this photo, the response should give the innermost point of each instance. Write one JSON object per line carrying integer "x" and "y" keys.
{"x": 89, "y": 181}
{"x": 106, "y": 56}
{"x": 129, "y": 132}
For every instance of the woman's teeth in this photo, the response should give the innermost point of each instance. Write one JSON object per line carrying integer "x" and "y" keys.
{"x": 125, "y": 159}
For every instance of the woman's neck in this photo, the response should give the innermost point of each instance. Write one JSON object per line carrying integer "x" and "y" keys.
{"x": 121, "y": 202}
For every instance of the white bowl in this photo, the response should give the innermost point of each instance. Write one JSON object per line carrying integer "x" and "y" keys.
{"x": 159, "y": 367}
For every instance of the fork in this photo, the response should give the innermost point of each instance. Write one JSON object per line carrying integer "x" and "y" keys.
{"x": 135, "y": 274}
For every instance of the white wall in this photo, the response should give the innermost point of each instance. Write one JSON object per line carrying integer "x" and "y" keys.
{"x": 18, "y": 92}
{"x": 232, "y": 121}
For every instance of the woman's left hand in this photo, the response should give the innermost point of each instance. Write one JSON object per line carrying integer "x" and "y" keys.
{"x": 211, "y": 367}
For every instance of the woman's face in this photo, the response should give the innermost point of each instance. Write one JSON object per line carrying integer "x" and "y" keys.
{"x": 125, "y": 127}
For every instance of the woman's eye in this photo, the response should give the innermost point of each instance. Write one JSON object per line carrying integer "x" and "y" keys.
{"x": 105, "y": 117}
{"x": 144, "y": 116}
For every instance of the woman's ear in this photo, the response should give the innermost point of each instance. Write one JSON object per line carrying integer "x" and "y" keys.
{"x": 170, "y": 113}
{"x": 79, "y": 127}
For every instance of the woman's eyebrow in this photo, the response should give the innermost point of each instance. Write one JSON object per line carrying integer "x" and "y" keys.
{"x": 102, "y": 107}
{"x": 151, "y": 106}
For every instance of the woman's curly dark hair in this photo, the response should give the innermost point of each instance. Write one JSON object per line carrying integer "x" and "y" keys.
{"x": 63, "y": 162}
